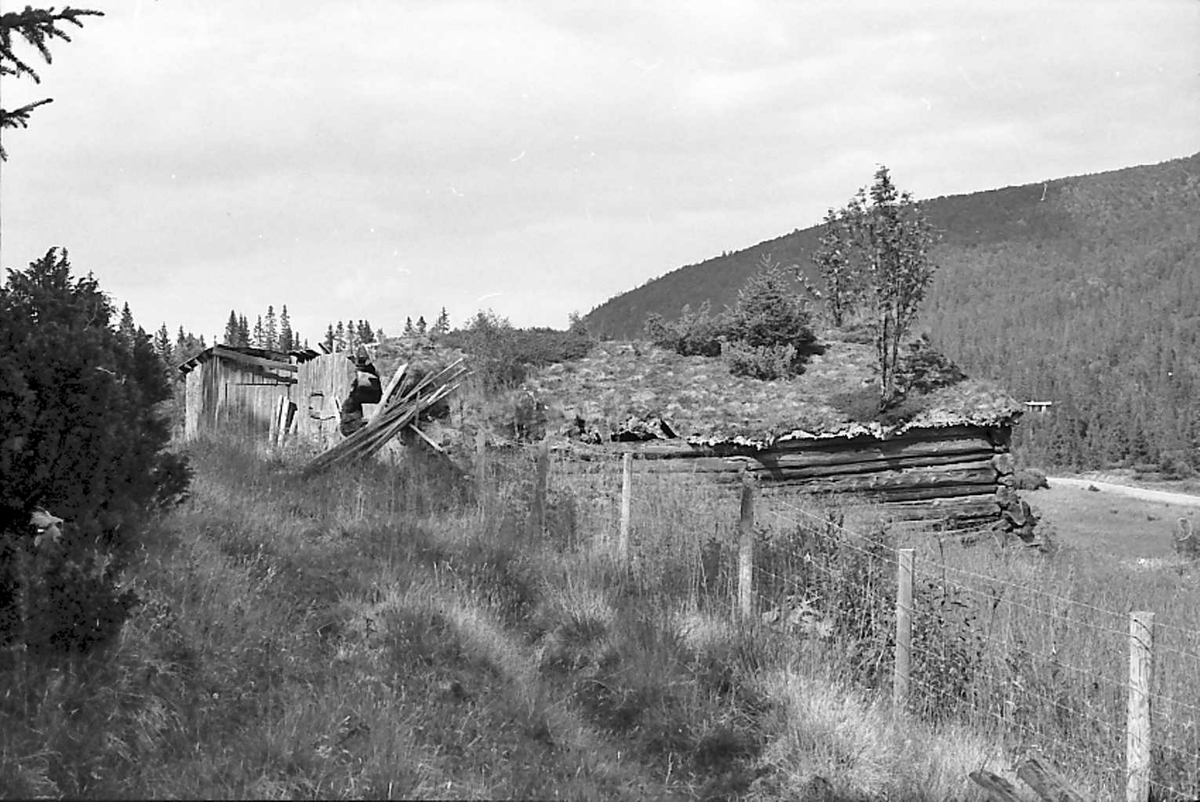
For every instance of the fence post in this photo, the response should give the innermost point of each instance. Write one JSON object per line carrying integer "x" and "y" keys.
{"x": 480, "y": 468}
{"x": 541, "y": 475}
{"x": 746, "y": 548}
{"x": 626, "y": 503}
{"x": 1137, "y": 722}
{"x": 904, "y": 609}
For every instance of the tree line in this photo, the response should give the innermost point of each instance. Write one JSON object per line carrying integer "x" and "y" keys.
{"x": 274, "y": 332}
{"x": 271, "y": 332}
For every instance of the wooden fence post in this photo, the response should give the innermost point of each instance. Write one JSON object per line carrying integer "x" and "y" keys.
{"x": 904, "y": 610}
{"x": 1137, "y": 726}
{"x": 626, "y": 505}
{"x": 480, "y": 468}
{"x": 541, "y": 475}
{"x": 746, "y": 549}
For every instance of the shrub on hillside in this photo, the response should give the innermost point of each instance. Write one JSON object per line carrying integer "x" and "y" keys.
{"x": 693, "y": 333}
{"x": 765, "y": 362}
{"x": 81, "y": 437}
{"x": 1176, "y": 464}
{"x": 500, "y": 354}
{"x": 766, "y": 335}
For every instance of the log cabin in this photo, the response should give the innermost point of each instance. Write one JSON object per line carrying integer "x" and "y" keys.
{"x": 942, "y": 454}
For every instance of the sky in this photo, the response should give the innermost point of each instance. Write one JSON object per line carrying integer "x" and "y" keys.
{"x": 379, "y": 159}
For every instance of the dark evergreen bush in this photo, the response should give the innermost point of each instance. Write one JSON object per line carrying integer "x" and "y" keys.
{"x": 81, "y": 437}
{"x": 766, "y": 335}
{"x": 770, "y": 312}
{"x": 923, "y": 369}
{"x": 770, "y": 328}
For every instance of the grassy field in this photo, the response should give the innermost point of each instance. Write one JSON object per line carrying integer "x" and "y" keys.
{"x": 1106, "y": 523}
{"x": 401, "y": 632}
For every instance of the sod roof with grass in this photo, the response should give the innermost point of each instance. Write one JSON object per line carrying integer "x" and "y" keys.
{"x": 619, "y": 384}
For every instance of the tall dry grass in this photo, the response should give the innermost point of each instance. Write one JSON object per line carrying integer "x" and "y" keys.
{"x": 401, "y": 631}
{"x": 1025, "y": 649}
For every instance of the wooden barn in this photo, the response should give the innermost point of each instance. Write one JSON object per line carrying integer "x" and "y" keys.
{"x": 235, "y": 389}
{"x": 942, "y": 455}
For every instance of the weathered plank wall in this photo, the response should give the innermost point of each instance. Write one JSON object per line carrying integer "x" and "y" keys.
{"x": 232, "y": 397}
{"x": 193, "y": 404}
{"x": 249, "y": 400}
{"x": 322, "y": 386}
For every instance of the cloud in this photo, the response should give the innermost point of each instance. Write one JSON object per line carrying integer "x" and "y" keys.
{"x": 202, "y": 156}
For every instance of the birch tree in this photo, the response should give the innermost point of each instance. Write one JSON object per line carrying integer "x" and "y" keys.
{"x": 877, "y": 253}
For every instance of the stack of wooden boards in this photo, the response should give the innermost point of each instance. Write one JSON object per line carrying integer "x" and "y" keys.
{"x": 397, "y": 411}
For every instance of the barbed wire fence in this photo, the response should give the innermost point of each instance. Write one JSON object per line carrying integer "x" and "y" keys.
{"x": 1043, "y": 673}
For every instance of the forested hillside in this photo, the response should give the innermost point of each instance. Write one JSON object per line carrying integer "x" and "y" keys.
{"x": 1083, "y": 291}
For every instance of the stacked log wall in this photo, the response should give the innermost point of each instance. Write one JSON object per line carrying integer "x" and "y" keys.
{"x": 963, "y": 473}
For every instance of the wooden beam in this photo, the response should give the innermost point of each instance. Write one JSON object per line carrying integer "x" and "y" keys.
{"x": 998, "y": 789}
{"x": 890, "y": 495}
{"x": 837, "y": 453}
{"x": 1046, "y": 784}
{"x": 968, "y": 507}
{"x": 426, "y": 438}
{"x": 794, "y": 467}
{"x": 247, "y": 359}
{"x": 937, "y": 476}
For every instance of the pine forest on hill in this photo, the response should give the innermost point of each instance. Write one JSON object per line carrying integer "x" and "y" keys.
{"x": 1083, "y": 291}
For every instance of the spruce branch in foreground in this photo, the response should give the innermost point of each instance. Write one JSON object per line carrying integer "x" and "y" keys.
{"x": 38, "y": 27}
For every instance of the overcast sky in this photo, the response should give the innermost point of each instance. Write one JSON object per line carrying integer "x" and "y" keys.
{"x": 384, "y": 158}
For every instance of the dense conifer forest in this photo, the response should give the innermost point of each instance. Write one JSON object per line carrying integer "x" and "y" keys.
{"x": 1082, "y": 291}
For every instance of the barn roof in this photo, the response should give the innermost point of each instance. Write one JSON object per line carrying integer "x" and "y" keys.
{"x": 620, "y": 384}
{"x": 257, "y": 357}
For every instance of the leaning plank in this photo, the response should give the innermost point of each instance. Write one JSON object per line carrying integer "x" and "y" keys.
{"x": 412, "y": 427}
{"x": 1045, "y": 783}
{"x": 393, "y": 383}
{"x": 998, "y": 789}
{"x": 394, "y": 417}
